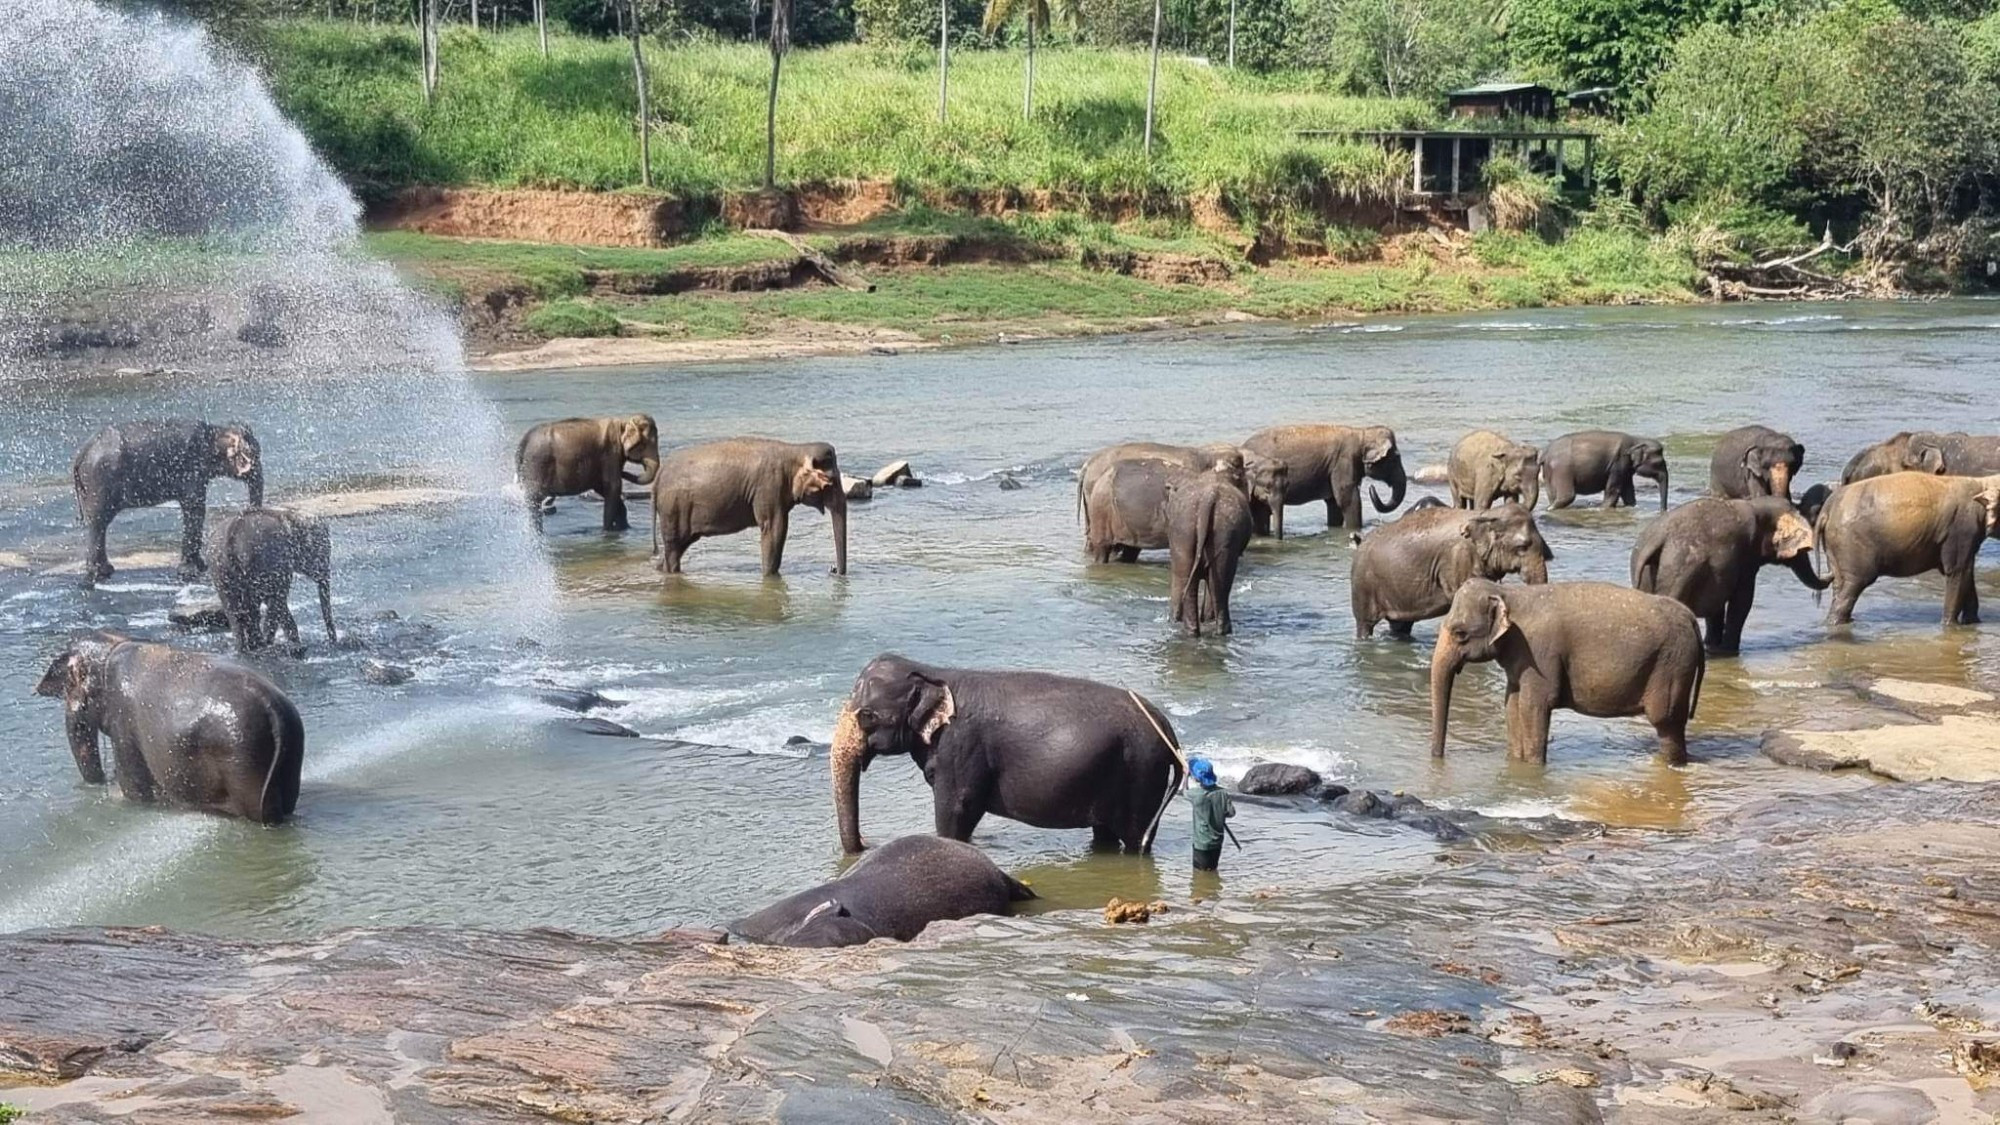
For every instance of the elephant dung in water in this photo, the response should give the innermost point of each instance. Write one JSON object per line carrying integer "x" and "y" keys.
{"x": 185, "y": 729}
{"x": 1592, "y": 647}
{"x": 578, "y": 455}
{"x": 1592, "y": 461}
{"x": 140, "y": 464}
{"x": 1051, "y": 751}
{"x": 1706, "y": 553}
{"x": 1324, "y": 462}
{"x": 892, "y": 892}
{"x": 723, "y": 487}
{"x": 256, "y": 553}
{"x": 1953, "y": 454}
{"x": 1486, "y": 467}
{"x": 1906, "y": 524}
{"x": 1753, "y": 461}
{"x": 1407, "y": 571}
{"x": 1208, "y": 528}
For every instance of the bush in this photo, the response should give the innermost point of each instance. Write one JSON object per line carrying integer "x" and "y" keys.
{"x": 1518, "y": 199}
{"x": 570, "y": 318}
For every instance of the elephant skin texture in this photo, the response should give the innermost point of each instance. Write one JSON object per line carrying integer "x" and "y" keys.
{"x": 892, "y": 892}
{"x": 1328, "y": 463}
{"x": 1407, "y": 571}
{"x": 1591, "y": 647}
{"x": 1590, "y": 462}
{"x": 579, "y": 455}
{"x": 723, "y": 487}
{"x": 1903, "y": 525}
{"x": 185, "y": 729}
{"x": 1125, "y": 509}
{"x": 256, "y": 553}
{"x": 1255, "y": 476}
{"x": 1208, "y": 529}
{"x": 1949, "y": 455}
{"x": 1706, "y": 555}
{"x": 1753, "y": 461}
{"x": 1050, "y": 751}
{"x": 140, "y": 464}
{"x": 1486, "y": 467}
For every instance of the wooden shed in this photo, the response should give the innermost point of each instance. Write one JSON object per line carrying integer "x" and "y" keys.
{"x": 1503, "y": 99}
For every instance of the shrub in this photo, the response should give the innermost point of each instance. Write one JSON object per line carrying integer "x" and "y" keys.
{"x": 1518, "y": 199}
{"x": 570, "y": 318}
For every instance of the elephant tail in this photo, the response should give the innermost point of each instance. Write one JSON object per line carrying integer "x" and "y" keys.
{"x": 1646, "y": 565}
{"x": 1017, "y": 891}
{"x": 281, "y": 781}
{"x": 1176, "y": 771}
{"x": 1819, "y": 543}
{"x": 1082, "y": 506}
{"x": 1700, "y": 674}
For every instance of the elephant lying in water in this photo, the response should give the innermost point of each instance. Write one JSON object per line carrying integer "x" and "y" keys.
{"x": 140, "y": 464}
{"x": 256, "y": 553}
{"x": 1407, "y": 571}
{"x": 892, "y": 892}
{"x": 1952, "y": 454}
{"x": 578, "y": 455}
{"x": 1329, "y": 463}
{"x": 1906, "y": 524}
{"x": 1592, "y": 461}
{"x": 1486, "y": 467}
{"x": 1706, "y": 554}
{"x": 185, "y": 729}
{"x": 1753, "y": 461}
{"x": 723, "y": 487}
{"x": 1051, "y": 751}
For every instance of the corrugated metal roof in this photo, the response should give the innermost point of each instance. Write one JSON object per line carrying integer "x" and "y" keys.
{"x": 1497, "y": 88}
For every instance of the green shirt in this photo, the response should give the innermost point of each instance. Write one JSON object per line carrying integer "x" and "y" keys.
{"x": 1212, "y": 808}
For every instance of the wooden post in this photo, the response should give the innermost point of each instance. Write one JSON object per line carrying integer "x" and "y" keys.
{"x": 1455, "y": 143}
{"x": 944, "y": 59}
{"x": 1559, "y": 162}
{"x": 1589, "y": 162}
{"x": 1417, "y": 166}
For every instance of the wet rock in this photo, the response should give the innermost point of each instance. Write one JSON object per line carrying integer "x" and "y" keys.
{"x": 61, "y": 1056}
{"x": 1009, "y": 484}
{"x": 383, "y": 674}
{"x": 605, "y": 727}
{"x": 857, "y": 488}
{"x": 798, "y": 740}
{"x": 578, "y": 700}
{"x": 1277, "y": 779}
{"x": 1436, "y": 473}
{"x": 198, "y": 615}
{"x": 1331, "y": 791}
{"x": 1956, "y": 748}
{"x": 1362, "y": 802}
{"x": 1434, "y": 824}
{"x": 893, "y": 473}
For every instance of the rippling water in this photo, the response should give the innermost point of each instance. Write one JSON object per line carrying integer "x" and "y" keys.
{"x": 458, "y": 799}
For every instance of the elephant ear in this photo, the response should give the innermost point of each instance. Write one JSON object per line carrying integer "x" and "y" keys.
{"x": 809, "y": 480}
{"x": 61, "y": 678}
{"x": 1926, "y": 456}
{"x": 1791, "y": 535}
{"x": 1989, "y": 497}
{"x": 935, "y": 707}
{"x": 1381, "y": 442}
{"x": 1501, "y": 622}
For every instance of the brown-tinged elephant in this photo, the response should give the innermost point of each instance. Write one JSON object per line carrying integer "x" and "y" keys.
{"x": 1588, "y": 462}
{"x": 1208, "y": 529}
{"x": 1260, "y": 478}
{"x": 1753, "y": 461}
{"x": 1329, "y": 463}
{"x": 723, "y": 487}
{"x": 140, "y": 464}
{"x": 1125, "y": 511}
{"x": 579, "y": 455}
{"x": 1953, "y": 455}
{"x": 255, "y": 554}
{"x": 1903, "y": 525}
{"x": 185, "y": 729}
{"x": 892, "y": 892}
{"x": 1407, "y": 571}
{"x": 1590, "y": 647}
{"x": 1486, "y": 467}
{"x": 1051, "y": 751}
{"x": 1706, "y": 554}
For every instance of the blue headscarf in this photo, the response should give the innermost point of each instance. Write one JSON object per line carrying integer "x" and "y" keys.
{"x": 1202, "y": 772}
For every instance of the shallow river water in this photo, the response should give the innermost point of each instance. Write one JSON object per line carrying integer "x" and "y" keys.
{"x": 459, "y": 799}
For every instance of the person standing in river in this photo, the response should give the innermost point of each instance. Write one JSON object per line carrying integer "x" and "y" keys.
{"x": 1212, "y": 810}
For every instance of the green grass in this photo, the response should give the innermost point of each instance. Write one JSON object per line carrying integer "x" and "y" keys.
{"x": 529, "y": 257}
{"x": 571, "y": 318}
{"x": 11, "y": 1113}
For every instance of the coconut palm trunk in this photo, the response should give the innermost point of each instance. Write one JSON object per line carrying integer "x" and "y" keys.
{"x": 781, "y": 41}
{"x": 645, "y": 114}
{"x": 1153, "y": 79}
{"x": 944, "y": 59}
{"x": 1028, "y": 86}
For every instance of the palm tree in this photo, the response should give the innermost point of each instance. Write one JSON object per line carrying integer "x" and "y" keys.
{"x": 781, "y": 41}
{"x": 1153, "y": 80}
{"x": 1037, "y": 16}
{"x": 645, "y": 114}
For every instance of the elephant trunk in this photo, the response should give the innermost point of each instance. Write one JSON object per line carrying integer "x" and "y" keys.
{"x": 1398, "y": 482}
{"x": 836, "y": 510}
{"x": 1663, "y": 488}
{"x": 1531, "y": 490}
{"x": 1807, "y": 573}
{"x": 326, "y": 610}
{"x": 255, "y": 480}
{"x": 1445, "y": 662}
{"x": 850, "y": 754}
{"x": 1278, "y": 513}
{"x": 1781, "y": 481}
{"x": 1535, "y": 571}
{"x": 649, "y": 469}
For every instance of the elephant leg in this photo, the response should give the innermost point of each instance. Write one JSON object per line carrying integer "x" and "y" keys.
{"x": 1513, "y": 711}
{"x": 1221, "y": 583}
{"x": 1260, "y": 518}
{"x": 537, "y": 506}
{"x": 1714, "y": 627}
{"x": 96, "y": 564}
{"x": 957, "y": 815}
{"x": 773, "y": 532}
{"x": 1400, "y": 629}
{"x": 194, "y": 513}
{"x": 1628, "y": 494}
{"x": 1961, "y": 598}
{"x": 135, "y": 778}
{"x": 1128, "y": 554}
{"x": 1105, "y": 838}
{"x": 1667, "y": 708}
{"x": 1846, "y": 591}
{"x": 1736, "y": 613}
{"x": 241, "y": 622}
{"x": 615, "y": 518}
{"x": 1562, "y": 491}
{"x": 281, "y": 617}
{"x": 1528, "y": 719}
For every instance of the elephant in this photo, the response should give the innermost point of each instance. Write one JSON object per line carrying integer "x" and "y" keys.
{"x": 1706, "y": 554}
{"x": 1486, "y": 467}
{"x": 723, "y": 487}
{"x": 1592, "y": 461}
{"x": 140, "y": 464}
{"x": 185, "y": 729}
{"x": 1953, "y": 454}
{"x": 256, "y": 553}
{"x": 1591, "y": 647}
{"x": 1407, "y": 571}
{"x": 578, "y": 455}
{"x": 892, "y": 892}
{"x": 1208, "y": 529}
{"x": 1328, "y": 463}
{"x": 1753, "y": 461}
{"x": 1906, "y": 524}
{"x": 1125, "y": 510}
{"x": 1051, "y": 751}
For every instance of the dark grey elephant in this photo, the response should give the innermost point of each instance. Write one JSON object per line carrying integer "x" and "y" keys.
{"x": 1706, "y": 553}
{"x": 723, "y": 487}
{"x": 578, "y": 455}
{"x": 1486, "y": 467}
{"x": 1903, "y": 525}
{"x": 185, "y": 729}
{"x": 1588, "y": 462}
{"x": 1591, "y": 647}
{"x": 1953, "y": 454}
{"x": 892, "y": 892}
{"x": 1328, "y": 463}
{"x": 255, "y": 555}
{"x": 1753, "y": 461}
{"x": 1051, "y": 751}
{"x": 140, "y": 464}
{"x": 1208, "y": 529}
{"x": 1407, "y": 571}
{"x": 1125, "y": 510}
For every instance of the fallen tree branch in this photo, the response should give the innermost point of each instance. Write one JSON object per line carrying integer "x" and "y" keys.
{"x": 821, "y": 264}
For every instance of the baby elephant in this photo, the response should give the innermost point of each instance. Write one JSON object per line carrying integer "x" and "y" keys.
{"x": 1595, "y": 648}
{"x": 255, "y": 554}
{"x": 1592, "y": 461}
{"x": 1906, "y": 524}
{"x": 1407, "y": 571}
{"x": 578, "y": 455}
{"x": 1752, "y": 461}
{"x": 1486, "y": 467}
{"x": 185, "y": 729}
{"x": 893, "y": 892}
{"x": 1208, "y": 529}
{"x": 1706, "y": 553}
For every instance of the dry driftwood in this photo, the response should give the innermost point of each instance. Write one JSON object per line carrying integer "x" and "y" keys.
{"x": 846, "y": 279}
{"x": 1785, "y": 277}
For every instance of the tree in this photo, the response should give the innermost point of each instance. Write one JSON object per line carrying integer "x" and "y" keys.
{"x": 781, "y": 41}
{"x": 1409, "y": 48}
{"x": 427, "y": 37}
{"x": 1036, "y": 15}
{"x": 1153, "y": 80}
{"x": 542, "y": 24}
{"x": 639, "y": 80}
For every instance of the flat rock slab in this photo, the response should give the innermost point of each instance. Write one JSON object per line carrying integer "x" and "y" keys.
{"x": 1956, "y": 748}
{"x": 1932, "y": 697}
{"x": 334, "y": 505}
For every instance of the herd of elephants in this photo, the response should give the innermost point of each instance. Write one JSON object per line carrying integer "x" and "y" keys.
{"x": 199, "y": 731}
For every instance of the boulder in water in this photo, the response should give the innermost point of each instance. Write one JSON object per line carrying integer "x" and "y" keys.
{"x": 578, "y": 700}
{"x": 1009, "y": 484}
{"x": 856, "y": 488}
{"x": 605, "y": 727}
{"x": 1276, "y": 779}
{"x": 383, "y": 674}
{"x": 895, "y": 473}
